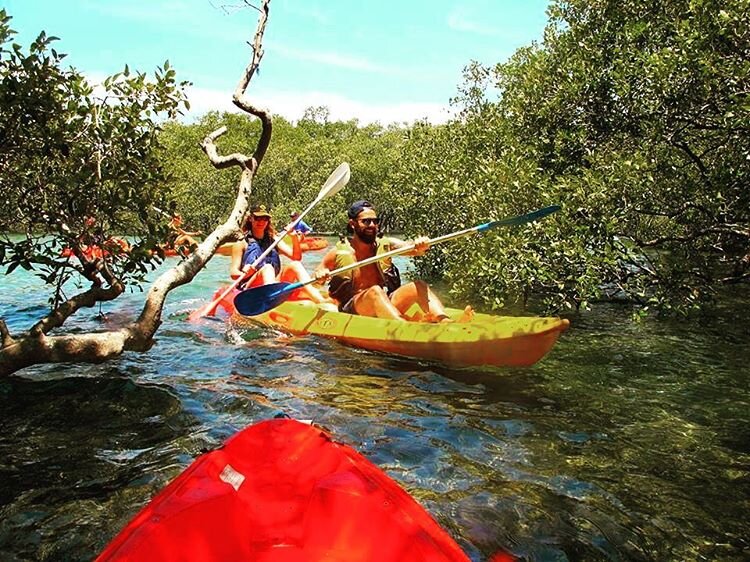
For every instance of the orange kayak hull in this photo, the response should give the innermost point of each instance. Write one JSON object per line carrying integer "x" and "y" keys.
{"x": 282, "y": 490}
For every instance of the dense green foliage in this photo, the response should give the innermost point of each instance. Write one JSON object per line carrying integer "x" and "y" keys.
{"x": 634, "y": 117}
{"x": 299, "y": 160}
{"x": 78, "y": 165}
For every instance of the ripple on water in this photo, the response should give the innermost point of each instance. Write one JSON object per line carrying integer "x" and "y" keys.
{"x": 628, "y": 442}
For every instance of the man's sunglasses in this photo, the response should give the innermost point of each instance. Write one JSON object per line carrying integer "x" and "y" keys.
{"x": 369, "y": 221}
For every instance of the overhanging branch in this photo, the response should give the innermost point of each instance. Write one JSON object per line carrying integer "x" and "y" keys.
{"x": 37, "y": 347}
{"x": 86, "y": 299}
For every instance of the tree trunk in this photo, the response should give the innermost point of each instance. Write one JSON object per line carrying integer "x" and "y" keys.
{"x": 37, "y": 347}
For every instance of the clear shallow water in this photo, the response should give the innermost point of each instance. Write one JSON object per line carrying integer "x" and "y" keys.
{"x": 628, "y": 442}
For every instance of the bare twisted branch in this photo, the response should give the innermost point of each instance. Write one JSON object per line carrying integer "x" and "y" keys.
{"x": 142, "y": 331}
{"x": 218, "y": 161}
{"x": 240, "y": 100}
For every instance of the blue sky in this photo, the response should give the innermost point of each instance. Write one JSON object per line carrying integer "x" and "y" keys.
{"x": 386, "y": 60}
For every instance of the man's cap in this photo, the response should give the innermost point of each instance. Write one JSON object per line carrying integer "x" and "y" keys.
{"x": 357, "y": 207}
{"x": 293, "y": 214}
{"x": 260, "y": 211}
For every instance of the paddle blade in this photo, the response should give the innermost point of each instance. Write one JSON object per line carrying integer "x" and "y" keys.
{"x": 336, "y": 181}
{"x": 207, "y": 309}
{"x": 522, "y": 219}
{"x": 258, "y": 300}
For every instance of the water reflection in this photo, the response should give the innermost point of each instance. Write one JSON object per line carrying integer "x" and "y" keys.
{"x": 630, "y": 441}
{"x": 70, "y": 444}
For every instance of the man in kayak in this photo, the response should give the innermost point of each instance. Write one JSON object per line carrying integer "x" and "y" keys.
{"x": 375, "y": 289}
{"x": 302, "y": 226}
{"x": 179, "y": 236}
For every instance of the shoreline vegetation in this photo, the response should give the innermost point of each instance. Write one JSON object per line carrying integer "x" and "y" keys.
{"x": 655, "y": 204}
{"x": 635, "y": 119}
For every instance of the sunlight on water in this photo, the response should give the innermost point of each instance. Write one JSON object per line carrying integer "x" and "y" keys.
{"x": 628, "y": 442}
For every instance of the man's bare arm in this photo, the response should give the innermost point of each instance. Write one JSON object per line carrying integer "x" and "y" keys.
{"x": 420, "y": 245}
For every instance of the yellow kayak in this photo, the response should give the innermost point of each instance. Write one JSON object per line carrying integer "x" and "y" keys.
{"x": 507, "y": 341}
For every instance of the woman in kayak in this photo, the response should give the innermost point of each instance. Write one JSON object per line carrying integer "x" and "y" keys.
{"x": 259, "y": 235}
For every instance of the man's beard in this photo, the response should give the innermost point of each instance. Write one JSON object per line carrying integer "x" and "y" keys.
{"x": 366, "y": 235}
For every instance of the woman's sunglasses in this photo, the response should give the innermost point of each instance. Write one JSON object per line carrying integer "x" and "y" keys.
{"x": 264, "y": 218}
{"x": 369, "y": 221}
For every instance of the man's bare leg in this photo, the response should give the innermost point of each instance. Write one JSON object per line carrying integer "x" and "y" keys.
{"x": 432, "y": 307}
{"x": 375, "y": 302}
{"x": 419, "y": 292}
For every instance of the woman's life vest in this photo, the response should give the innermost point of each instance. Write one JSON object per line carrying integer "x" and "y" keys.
{"x": 255, "y": 248}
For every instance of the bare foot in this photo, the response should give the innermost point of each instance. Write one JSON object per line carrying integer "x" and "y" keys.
{"x": 467, "y": 315}
{"x": 435, "y": 318}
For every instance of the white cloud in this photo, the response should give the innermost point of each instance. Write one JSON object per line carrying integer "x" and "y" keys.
{"x": 460, "y": 20}
{"x": 292, "y": 105}
{"x": 203, "y": 100}
{"x": 331, "y": 59}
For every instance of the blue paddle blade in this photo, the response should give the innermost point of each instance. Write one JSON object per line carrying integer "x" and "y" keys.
{"x": 522, "y": 219}
{"x": 258, "y": 300}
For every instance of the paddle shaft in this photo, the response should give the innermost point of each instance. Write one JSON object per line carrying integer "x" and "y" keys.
{"x": 438, "y": 240}
{"x": 338, "y": 179}
{"x": 252, "y": 302}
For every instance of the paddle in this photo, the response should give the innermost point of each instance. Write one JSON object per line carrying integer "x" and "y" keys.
{"x": 175, "y": 228}
{"x": 335, "y": 182}
{"x": 158, "y": 210}
{"x": 258, "y": 300}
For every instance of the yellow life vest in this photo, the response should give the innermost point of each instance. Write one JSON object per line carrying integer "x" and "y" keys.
{"x": 345, "y": 256}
